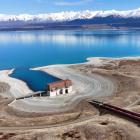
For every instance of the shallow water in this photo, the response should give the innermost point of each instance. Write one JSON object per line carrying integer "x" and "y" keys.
{"x": 25, "y": 49}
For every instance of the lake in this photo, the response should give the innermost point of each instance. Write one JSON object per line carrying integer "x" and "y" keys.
{"x": 27, "y": 49}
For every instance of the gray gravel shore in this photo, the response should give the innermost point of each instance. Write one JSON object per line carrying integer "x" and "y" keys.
{"x": 84, "y": 86}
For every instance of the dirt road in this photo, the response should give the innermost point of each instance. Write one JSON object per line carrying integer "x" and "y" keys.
{"x": 84, "y": 86}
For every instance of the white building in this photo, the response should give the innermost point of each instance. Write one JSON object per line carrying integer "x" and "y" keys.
{"x": 59, "y": 88}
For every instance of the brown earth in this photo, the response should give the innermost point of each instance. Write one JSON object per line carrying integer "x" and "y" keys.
{"x": 4, "y": 87}
{"x": 78, "y": 127}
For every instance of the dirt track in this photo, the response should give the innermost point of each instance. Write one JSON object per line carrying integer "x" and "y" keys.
{"x": 84, "y": 86}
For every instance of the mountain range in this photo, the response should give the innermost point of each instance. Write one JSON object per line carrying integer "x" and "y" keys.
{"x": 72, "y": 19}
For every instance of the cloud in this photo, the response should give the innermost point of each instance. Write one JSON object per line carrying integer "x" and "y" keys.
{"x": 68, "y": 3}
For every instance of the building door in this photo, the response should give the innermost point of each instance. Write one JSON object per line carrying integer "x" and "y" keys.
{"x": 61, "y": 91}
{"x": 66, "y": 91}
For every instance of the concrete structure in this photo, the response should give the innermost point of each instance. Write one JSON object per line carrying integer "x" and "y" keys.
{"x": 59, "y": 88}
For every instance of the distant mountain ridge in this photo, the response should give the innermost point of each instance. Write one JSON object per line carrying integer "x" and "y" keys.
{"x": 80, "y": 19}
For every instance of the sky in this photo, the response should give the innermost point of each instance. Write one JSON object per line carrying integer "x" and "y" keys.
{"x": 49, "y": 6}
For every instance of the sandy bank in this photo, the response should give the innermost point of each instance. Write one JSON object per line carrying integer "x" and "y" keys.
{"x": 17, "y": 88}
{"x": 92, "y": 77}
{"x": 84, "y": 86}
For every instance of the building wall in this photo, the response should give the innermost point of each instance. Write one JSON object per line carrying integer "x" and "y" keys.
{"x": 70, "y": 89}
{"x": 51, "y": 93}
{"x": 57, "y": 92}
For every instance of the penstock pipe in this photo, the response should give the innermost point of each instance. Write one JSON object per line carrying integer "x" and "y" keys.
{"x": 117, "y": 110}
{"x": 124, "y": 110}
{"x": 123, "y": 113}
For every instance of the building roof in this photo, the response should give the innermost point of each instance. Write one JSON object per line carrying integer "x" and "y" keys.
{"x": 59, "y": 84}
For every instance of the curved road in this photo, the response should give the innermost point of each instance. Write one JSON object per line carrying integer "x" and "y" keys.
{"x": 19, "y": 128}
{"x": 84, "y": 86}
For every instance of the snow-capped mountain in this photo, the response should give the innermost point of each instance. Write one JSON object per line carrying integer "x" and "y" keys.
{"x": 71, "y": 19}
{"x": 71, "y": 15}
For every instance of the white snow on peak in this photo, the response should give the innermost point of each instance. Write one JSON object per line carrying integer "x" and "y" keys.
{"x": 69, "y": 15}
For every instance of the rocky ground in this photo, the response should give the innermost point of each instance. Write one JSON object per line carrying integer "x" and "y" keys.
{"x": 82, "y": 122}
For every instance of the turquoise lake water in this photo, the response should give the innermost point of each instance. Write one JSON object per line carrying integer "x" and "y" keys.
{"x": 26, "y": 49}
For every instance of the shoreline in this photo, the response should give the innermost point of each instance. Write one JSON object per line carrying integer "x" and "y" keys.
{"x": 116, "y": 82}
{"x": 83, "y": 119}
{"x": 83, "y": 86}
{"x": 95, "y": 85}
{"x": 89, "y": 60}
{"x": 97, "y": 61}
{"x": 17, "y": 87}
